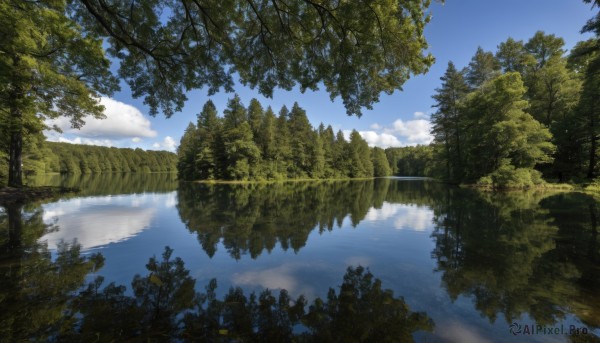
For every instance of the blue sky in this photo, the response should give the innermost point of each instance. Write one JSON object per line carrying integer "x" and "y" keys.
{"x": 456, "y": 30}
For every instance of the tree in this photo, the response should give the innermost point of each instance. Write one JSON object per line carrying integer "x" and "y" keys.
{"x": 209, "y": 147}
{"x": 356, "y": 49}
{"x": 360, "y": 156}
{"x": 300, "y": 138}
{"x": 512, "y": 56}
{"x": 381, "y": 166}
{"x": 50, "y": 68}
{"x": 500, "y": 133}
{"x": 483, "y": 67}
{"x": 186, "y": 152}
{"x": 544, "y": 47}
{"x": 448, "y": 121}
{"x": 255, "y": 116}
{"x": 241, "y": 155}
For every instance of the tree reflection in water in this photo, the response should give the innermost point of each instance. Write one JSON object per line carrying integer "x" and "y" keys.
{"x": 520, "y": 253}
{"x": 43, "y": 300}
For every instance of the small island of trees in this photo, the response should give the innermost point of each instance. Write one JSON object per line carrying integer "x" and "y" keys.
{"x": 254, "y": 144}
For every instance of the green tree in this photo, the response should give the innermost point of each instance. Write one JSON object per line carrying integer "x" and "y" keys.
{"x": 301, "y": 137}
{"x": 255, "y": 116}
{"x": 266, "y": 141}
{"x": 241, "y": 155}
{"x": 50, "y": 68}
{"x": 448, "y": 122}
{"x": 544, "y": 47}
{"x": 512, "y": 56}
{"x": 186, "y": 153}
{"x": 501, "y": 133}
{"x": 360, "y": 156}
{"x": 483, "y": 67}
{"x": 208, "y": 145}
{"x": 356, "y": 49}
{"x": 381, "y": 166}
{"x": 283, "y": 151}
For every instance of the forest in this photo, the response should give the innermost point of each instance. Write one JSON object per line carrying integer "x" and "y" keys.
{"x": 53, "y": 157}
{"x": 252, "y": 143}
{"x": 528, "y": 112}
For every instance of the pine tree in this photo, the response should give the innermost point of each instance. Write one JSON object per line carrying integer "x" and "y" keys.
{"x": 209, "y": 150}
{"x": 381, "y": 166}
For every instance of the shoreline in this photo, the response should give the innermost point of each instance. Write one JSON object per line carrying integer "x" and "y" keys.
{"x": 243, "y": 182}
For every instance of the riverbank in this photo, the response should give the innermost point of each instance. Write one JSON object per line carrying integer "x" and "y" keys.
{"x": 12, "y": 195}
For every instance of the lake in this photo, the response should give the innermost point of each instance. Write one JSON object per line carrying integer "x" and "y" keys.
{"x": 521, "y": 267}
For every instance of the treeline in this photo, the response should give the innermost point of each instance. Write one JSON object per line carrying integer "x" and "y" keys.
{"x": 411, "y": 160}
{"x": 53, "y": 157}
{"x": 523, "y": 112}
{"x": 254, "y": 144}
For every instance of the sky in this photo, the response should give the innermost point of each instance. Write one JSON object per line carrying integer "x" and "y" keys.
{"x": 457, "y": 28}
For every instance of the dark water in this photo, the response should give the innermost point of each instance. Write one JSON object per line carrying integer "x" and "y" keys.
{"x": 474, "y": 263}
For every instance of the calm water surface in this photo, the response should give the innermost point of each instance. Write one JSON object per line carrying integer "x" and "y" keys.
{"x": 475, "y": 263}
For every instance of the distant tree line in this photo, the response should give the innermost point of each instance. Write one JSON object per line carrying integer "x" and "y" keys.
{"x": 411, "y": 160}
{"x": 251, "y": 143}
{"x": 523, "y": 112}
{"x": 52, "y": 157}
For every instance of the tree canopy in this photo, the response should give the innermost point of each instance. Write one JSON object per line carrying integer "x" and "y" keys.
{"x": 252, "y": 144}
{"x": 356, "y": 49}
{"x": 49, "y": 67}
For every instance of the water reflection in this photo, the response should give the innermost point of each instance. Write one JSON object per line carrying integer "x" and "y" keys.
{"x": 109, "y": 183}
{"x": 517, "y": 254}
{"x": 40, "y": 303}
{"x": 458, "y": 254}
{"x": 98, "y": 221}
{"x": 36, "y": 290}
{"x": 250, "y": 219}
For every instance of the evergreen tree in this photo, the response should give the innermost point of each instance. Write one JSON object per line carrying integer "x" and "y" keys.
{"x": 381, "y": 166}
{"x": 283, "y": 151}
{"x": 483, "y": 67}
{"x": 448, "y": 122}
{"x": 241, "y": 155}
{"x": 512, "y": 56}
{"x": 300, "y": 139}
{"x": 209, "y": 148}
{"x": 360, "y": 156}
{"x": 186, "y": 153}
{"x": 255, "y": 116}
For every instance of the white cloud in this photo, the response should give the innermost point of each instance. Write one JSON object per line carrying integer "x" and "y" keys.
{"x": 122, "y": 121}
{"x": 136, "y": 139}
{"x": 382, "y": 140}
{"x": 412, "y": 132}
{"x": 86, "y": 141}
{"x": 403, "y": 217}
{"x": 86, "y": 220}
{"x": 167, "y": 144}
{"x": 400, "y": 133}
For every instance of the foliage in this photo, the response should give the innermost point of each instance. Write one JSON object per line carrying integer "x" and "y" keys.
{"x": 50, "y": 68}
{"x": 249, "y": 219}
{"x": 486, "y": 134}
{"x": 356, "y": 49}
{"x": 411, "y": 161}
{"x": 509, "y": 177}
{"x": 89, "y": 159}
{"x": 526, "y": 252}
{"x": 252, "y": 144}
